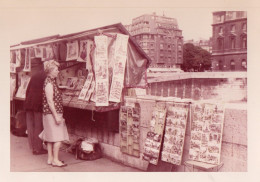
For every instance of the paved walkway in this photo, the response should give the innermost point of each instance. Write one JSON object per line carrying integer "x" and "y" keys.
{"x": 22, "y": 160}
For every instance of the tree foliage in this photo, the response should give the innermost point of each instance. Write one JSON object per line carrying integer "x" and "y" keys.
{"x": 195, "y": 58}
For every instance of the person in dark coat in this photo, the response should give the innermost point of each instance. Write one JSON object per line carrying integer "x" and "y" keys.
{"x": 33, "y": 108}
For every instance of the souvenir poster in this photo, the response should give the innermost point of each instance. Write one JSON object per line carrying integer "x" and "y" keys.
{"x": 206, "y": 132}
{"x": 71, "y": 82}
{"x": 90, "y": 91}
{"x": 93, "y": 96}
{"x": 38, "y": 52}
{"x": 12, "y": 68}
{"x": 18, "y": 58}
{"x": 49, "y": 53}
{"x": 84, "y": 50}
{"x": 86, "y": 86}
{"x": 72, "y": 51}
{"x": 21, "y": 93}
{"x": 101, "y": 93}
{"x": 80, "y": 83}
{"x": 12, "y": 86}
{"x": 119, "y": 67}
{"x": 13, "y": 57}
{"x": 129, "y": 127}
{"x": 154, "y": 136}
{"x": 175, "y": 128}
{"x": 27, "y": 63}
{"x": 101, "y": 71}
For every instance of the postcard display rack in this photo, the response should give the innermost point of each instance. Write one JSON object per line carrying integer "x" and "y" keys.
{"x": 129, "y": 129}
{"x": 206, "y": 132}
{"x": 175, "y": 127}
{"x": 153, "y": 140}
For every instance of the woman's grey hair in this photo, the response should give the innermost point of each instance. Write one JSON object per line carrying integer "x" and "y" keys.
{"x": 50, "y": 65}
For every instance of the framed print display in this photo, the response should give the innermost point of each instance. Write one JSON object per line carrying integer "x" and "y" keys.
{"x": 206, "y": 132}
{"x": 72, "y": 51}
{"x": 174, "y": 136}
{"x": 153, "y": 140}
{"x": 129, "y": 130}
{"x": 21, "y": 93}
{"x": 119, "y": 60}
{"x": 90, "y": 90}
{"x": 27, "y": 63}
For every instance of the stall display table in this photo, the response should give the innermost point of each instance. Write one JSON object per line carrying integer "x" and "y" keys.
{"x": 202, "y": 166}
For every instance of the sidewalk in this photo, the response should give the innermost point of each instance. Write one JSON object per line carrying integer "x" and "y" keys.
{"x": 22, "y": 160}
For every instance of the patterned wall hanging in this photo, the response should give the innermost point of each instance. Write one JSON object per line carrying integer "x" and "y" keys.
{"x": 129, "y": 129}
{"x": 153, "y": 140}
{"x": 175, "y": 128}
{"x": 206, "y": 132}
{"x": 86, "y": 86}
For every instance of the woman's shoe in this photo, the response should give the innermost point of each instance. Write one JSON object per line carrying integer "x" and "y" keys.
{"x": 50, "y": 163}
{"x": 56, "y": 165}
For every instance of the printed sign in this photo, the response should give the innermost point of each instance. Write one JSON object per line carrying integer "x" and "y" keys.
{"x": 86, "y": 86}
{"x": 72, "y": 50}
{"x": 27, "y": 64}
{"x": 21, "y": 93}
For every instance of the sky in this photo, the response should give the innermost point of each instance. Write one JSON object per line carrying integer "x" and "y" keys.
{"x": 31, "y": 23}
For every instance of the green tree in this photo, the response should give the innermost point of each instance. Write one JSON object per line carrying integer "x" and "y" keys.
{"x": 195, "y": 58}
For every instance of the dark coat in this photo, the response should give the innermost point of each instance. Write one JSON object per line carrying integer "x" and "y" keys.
{"x": 34, "y": 92}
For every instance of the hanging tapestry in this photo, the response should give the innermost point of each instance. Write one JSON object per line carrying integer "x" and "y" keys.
{"x": 175, "y": 128}
{"x": 129, "y": 129}
{"x": 153, "y": 140}
{"x": 206, "y": 132}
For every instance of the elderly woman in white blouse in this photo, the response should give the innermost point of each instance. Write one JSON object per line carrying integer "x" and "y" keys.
{"x": 54, "y": 127}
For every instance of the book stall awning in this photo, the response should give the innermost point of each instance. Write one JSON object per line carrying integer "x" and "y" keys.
{"x": 109, "y": 58}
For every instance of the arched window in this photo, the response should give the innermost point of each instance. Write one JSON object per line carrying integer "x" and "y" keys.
{"x": 220, "y": 43}
{"x": 244, "y": 27}
{"x": 232, "y": 65}
{"x": 220, "y": 30}
{"x": 232, "y": 42}
{"x": 244, "y": 64}
{"x": 244, "y": 41}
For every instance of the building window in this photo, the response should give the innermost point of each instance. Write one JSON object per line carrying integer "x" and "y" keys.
{"x": 244, "y": 64}
{"x": 232, "y": 65}
{"x": 232, "y": 42}
{"x": 244, "y": 42}
{"x": 161, "y": 46}
{"x": 220, "y": 65}
{"x": 220, "y": 30}
{"x": 244, "y": 27}
{"x": 169, "y": 46}
{"x": 179, "y": 47}
{"x": 233, "y": 28}
{"x": 220, "y": 43}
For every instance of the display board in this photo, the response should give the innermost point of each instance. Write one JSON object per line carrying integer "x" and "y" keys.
{"x": 174, "y": 136}
{"x": 129, "y": 129}
{"x": 153, "y": 140}
{"x": 206, "y": 132}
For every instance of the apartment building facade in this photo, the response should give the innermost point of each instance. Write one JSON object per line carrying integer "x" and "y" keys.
{"x": 160, "y": 38}
{"x": 229, "y": 41}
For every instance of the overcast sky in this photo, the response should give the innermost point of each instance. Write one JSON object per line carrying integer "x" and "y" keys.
{"x": 30, "y": 23}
